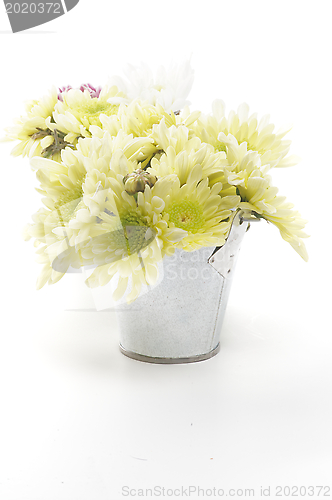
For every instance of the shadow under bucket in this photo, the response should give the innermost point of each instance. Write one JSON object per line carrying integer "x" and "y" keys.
{"x": 179, "y": 321}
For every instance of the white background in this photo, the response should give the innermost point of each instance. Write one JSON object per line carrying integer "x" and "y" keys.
{"x": 80, "y": 421}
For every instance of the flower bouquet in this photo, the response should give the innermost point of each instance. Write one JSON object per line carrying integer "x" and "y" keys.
{"x": 130, "y": 177}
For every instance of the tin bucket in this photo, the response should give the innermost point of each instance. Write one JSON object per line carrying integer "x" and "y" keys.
{"x": 180, "y": 319}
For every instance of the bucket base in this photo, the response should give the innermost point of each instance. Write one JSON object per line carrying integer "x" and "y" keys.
{"x": 170, "y": 361}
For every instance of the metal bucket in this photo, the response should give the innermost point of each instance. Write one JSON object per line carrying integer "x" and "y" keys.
{"x": 180, "y": 319}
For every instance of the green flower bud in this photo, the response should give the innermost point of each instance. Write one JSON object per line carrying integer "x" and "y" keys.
{"x": 137, "y": 180}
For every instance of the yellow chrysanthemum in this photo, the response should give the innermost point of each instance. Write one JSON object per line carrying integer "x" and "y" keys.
{"x": 130, "y": 237}
{"x": 33, "y": 132}
{"x": 74, "y": 192}
{"x": 262, "y": 198}
{"x": 78, "y": 111}
{"x": 198, "y": 209}
{"x": 139, "y": 120}
{"x": 69, "y": 188}
{"x": 259, "y": 136}
{"x": 61, "y": 183}
{"x": 93, "y": 155}
{"x": 178, "y": 153}
{"x": 177, "y": 135}
{"x": 245, "y": 174}
{"x": 102, "y": 146}
{"x": 53, "y": 249}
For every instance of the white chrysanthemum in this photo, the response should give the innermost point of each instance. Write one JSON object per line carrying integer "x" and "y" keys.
{"x": 78, "y": 111}
{"x": 170, "y": 88}
{"x": 259, "y": 136}
{"x": 32, "y": 130}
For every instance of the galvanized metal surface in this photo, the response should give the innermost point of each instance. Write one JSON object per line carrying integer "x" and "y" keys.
{"x": 168, "y": 361}
{"x": 180, "y": 319}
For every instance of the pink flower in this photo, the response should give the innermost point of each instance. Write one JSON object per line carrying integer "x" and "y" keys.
{"x": 65, "y": 88}
{"x": 94, "y": 92}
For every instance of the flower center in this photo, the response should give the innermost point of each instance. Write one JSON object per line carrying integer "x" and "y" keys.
{"x": 68, "y": 202}
{"x": 249, "y": 147}
{"x": 132, "y": 233}
{"x": 221, "y": 147}
{"x": 187, "y": 215}
{"x": 92, "y": 108}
